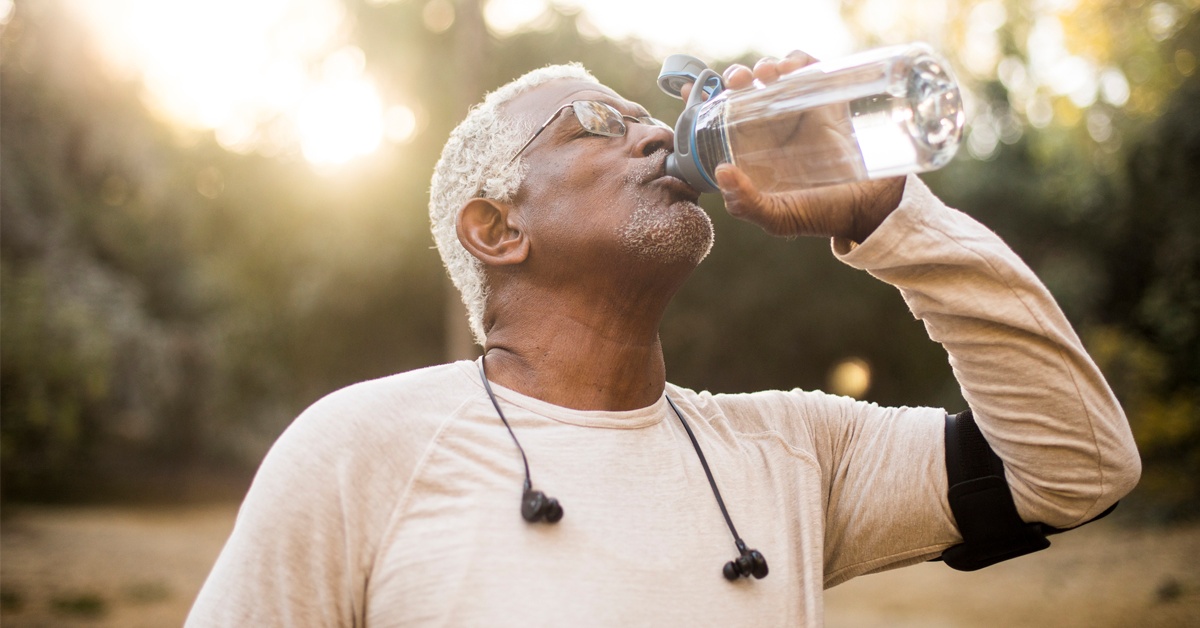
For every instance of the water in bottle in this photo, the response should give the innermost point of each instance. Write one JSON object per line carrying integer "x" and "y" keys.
{"x": 881, "y": 113}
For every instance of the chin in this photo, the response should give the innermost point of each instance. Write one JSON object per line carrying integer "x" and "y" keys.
{"x": 680, "y": 233}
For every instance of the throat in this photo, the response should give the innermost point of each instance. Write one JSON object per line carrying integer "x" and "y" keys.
{"x": 576, "y": 369}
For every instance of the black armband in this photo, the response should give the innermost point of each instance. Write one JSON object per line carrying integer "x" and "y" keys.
{"x": 982, "y": 503}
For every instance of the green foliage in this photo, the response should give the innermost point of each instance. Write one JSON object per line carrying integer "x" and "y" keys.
{"x": 1150, "y": 347}
{"x": 83, "y": 605}
{"x": 56, "y": 365}
{"x": 11, "y": 600}
{"x": 1116, "y": 238}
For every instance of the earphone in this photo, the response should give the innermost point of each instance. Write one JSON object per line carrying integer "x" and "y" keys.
{"x": 536, "y": 506}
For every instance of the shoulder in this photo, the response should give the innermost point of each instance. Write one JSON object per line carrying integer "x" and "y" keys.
{"x": 765, "y": 409}
{"x": 799, "y": 416}
{"x": 377, "y": 423}
{"x": 315, "y": 515}
{"x": 398, "y": 402}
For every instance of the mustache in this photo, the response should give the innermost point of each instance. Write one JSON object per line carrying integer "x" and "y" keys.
{"x": 654, "y": 166}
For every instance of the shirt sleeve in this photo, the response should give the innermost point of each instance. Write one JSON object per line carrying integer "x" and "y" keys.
{"x": 1037, "y": 397}
{"x": 307, "y": 531}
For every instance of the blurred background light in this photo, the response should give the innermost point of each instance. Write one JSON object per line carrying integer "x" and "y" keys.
{"x": 278, "y": 77}
{"x": 399, "y": 124}
{"x": 505, "y": 17}
{"x": 850, "y": 377}
{"x": 1114, "y": 87}
{"x": 270, "y": 76}
{"x": 1185, "y": 61}
{"x": 706, "y": 27}
{"x": 210, "y": 182}
{"x": 339, "y": 120}
{"x": 438, "y": 15}
{"x": 1164, "y": 18}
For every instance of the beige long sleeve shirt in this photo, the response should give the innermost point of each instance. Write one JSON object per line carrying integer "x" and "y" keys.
{"x": 395, "y": 502}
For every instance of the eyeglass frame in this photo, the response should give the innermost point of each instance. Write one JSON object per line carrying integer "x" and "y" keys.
{"x": 624, "y": 129}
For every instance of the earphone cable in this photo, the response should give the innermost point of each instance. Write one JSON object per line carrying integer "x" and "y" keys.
{"x": 524, "y": 460}
{"x": 711, "y": 482}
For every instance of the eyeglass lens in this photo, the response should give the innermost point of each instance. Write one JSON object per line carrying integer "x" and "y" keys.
{"x": 602, "y": 119}
{"x": 599, "y": 118}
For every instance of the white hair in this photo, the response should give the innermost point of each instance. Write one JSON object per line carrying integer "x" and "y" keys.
{"x": 474, "y": 163}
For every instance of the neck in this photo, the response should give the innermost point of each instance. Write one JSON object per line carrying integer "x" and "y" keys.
{"x": 590, "y": 354}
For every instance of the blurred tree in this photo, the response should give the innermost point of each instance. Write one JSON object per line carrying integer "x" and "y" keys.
{"x": 1098, "y": 194}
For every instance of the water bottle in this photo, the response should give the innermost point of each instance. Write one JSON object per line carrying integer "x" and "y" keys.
{"x": 881, "y": 113}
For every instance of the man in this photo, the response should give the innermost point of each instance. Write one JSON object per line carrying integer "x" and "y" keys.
{"x": 395, "y": 502}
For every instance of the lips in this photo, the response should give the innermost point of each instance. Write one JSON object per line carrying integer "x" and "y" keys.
{"x": 676, "y": 186}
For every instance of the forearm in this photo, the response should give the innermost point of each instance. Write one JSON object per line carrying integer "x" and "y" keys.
{"x": 1037, "y": 396}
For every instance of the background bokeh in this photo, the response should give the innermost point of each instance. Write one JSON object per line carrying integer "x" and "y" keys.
{"x": 213, "y": 212}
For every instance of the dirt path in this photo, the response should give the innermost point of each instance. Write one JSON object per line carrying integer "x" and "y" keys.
{"x": 1100, "y": 576}
{"x": 99, "y": 567}
{"x": 141, "y": 568}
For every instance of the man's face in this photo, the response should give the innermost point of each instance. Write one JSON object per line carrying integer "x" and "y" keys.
{"x": 593, "y": 199}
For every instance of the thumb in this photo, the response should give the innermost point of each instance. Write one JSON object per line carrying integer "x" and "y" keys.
{"x": 742, "y": 199}
{"x": 744, "y": 202}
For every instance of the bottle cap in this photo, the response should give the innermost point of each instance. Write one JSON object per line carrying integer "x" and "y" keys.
{"x": 677, "y": 71}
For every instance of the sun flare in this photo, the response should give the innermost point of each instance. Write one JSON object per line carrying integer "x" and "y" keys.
{"x": 270, "y": 76}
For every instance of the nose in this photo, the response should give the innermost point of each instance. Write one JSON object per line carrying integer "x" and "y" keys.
{"x": 651, "y": 139}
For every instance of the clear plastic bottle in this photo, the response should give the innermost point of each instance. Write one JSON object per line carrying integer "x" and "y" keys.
{"x": 881, "y": 113}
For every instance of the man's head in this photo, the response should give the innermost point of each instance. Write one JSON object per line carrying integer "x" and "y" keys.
{"x": 578, "y": 207}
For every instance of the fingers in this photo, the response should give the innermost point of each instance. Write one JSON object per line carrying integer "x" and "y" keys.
{"x": 738, "y": 76}
{"x": 735, "y": 76}
{"x": 795, "y": 60}
{"x": 769, "y": 69}
{"x": 739, "y": 193}
{"x": 742, "y": 199}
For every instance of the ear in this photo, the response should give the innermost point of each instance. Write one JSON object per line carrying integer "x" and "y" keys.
{"x": 491, "y": 231}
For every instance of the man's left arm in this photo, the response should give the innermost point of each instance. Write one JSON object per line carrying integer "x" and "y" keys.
{"x": 1040, "y": 401}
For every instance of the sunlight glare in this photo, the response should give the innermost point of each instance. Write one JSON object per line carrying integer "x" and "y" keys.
{"x": 1114, "y": 87}
{"x": 399, "y": 124}
{"x": 878, "y": 16}
{"x": 268, "y": 76}
{"x": 505, "y": 17}
{"x": 340, "y": 120}
{"x": 713, "y": 29}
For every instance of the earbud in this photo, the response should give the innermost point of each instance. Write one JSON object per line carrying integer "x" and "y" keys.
{"x": 535, "y": 507}
{"x": 750, "y": 563}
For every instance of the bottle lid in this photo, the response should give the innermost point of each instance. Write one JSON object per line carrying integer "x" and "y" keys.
{"x": 677, "y": 71}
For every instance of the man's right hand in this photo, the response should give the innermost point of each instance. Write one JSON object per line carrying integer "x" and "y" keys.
{"x": 851, "y": 210}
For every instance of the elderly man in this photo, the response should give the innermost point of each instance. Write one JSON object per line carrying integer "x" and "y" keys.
{"x": 395, "y": 502}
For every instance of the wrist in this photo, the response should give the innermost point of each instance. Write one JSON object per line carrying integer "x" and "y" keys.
{"x": 879, "y": 199}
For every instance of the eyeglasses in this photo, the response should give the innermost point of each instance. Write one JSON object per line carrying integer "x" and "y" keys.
{"x": 595, "y": 117}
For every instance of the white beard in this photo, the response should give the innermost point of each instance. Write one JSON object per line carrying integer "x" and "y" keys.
{"x": 680, "y": 233}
